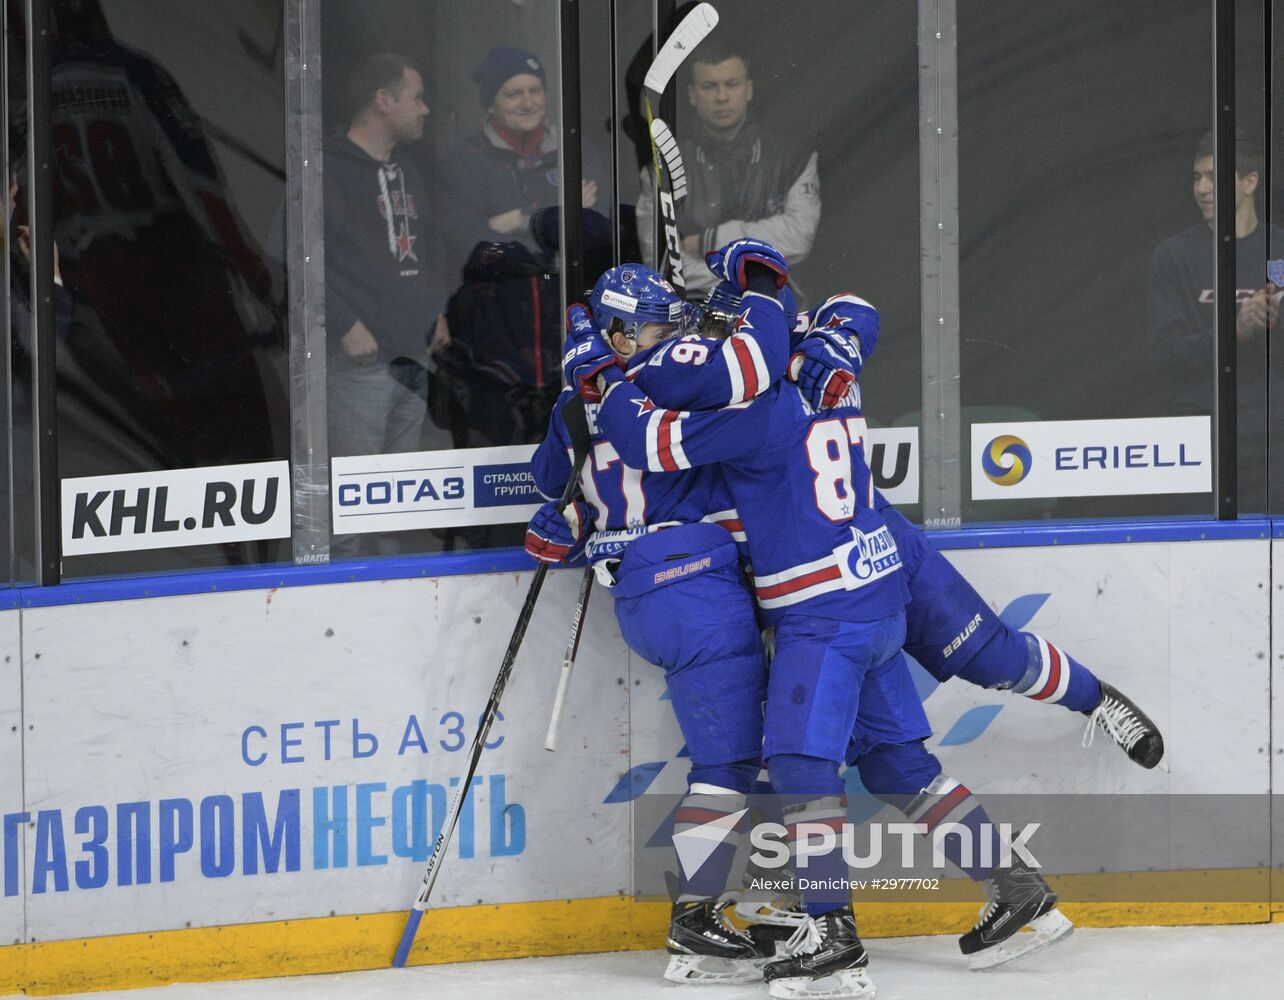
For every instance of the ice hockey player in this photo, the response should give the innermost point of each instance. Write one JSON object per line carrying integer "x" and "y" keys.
{"x": 950, "y": 629}
{"x": 691, "y": 615}
{"x": 824, "y": 367}
{"x": 827, "y": 576}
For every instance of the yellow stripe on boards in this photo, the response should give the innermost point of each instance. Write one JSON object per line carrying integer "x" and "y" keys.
{"x": 507, "y": 930}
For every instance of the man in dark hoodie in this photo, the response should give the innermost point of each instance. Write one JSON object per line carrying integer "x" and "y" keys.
{"x": 1180, "y": 305}
{"x": 381, "y": 303}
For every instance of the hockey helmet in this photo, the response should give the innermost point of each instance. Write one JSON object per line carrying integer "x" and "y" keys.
{"x": 629, "y": 296}
{"x": 722, "y": 306}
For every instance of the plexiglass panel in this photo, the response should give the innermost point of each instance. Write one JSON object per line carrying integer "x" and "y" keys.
{"x": 1086, "y": 259}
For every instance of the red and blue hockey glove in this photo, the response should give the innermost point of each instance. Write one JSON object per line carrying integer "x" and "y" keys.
{"x": 737, "y": 260}
{"x": 589, "y": 363}
{"x": 822, "y": 370}
{"x": 558, "y": 536}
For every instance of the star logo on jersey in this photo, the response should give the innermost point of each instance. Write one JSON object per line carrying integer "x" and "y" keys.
{"x": 741, "y": 322}
{"x": 405, "y": 244}
{"x": 835, "y": 321}
{"x": 643, "y": 405}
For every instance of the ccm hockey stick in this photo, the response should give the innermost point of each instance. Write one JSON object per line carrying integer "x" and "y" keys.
{"x": 667, "y": 162}
{"x": 577, "y": 424}
{"x": 694, "y": 28}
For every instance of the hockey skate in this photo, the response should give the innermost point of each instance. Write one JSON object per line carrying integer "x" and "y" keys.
{"x": 767, "y": 899}
{"x": 1018, "y": 898}
{"x": 705, "y": 947}
{"x": 827, "y": 962}
{"x": 1127, "y": 725}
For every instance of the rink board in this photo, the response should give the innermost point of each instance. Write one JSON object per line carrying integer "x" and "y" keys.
{"x": 206, "y": 716}
{"x": 1277, "y": 728}
{"x": 13, "y": 893}
{"x": 197, "y": 790}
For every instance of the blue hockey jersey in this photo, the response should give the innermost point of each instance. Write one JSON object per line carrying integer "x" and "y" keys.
{"x": 800, "y": 483}
{"x": 631, "y": 499}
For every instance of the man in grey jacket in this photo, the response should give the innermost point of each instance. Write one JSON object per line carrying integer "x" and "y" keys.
{"x": 741, "y": 180}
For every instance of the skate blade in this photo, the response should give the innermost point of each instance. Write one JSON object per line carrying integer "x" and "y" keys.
{"x": 850, "y": 984}
{"x": 758, "y": 912}
{"x": 1048, "y": 929}
{"x": 695, "y": 969}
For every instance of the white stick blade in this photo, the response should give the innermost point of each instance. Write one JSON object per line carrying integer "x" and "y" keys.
{"x": 694, "y": 28}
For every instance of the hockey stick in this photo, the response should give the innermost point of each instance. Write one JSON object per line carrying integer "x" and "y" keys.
{"x": 664, "y": 151}
{"x": 568, "y": 660}
{"x": 694, "y": 28}
{"x": 576, "y": 423}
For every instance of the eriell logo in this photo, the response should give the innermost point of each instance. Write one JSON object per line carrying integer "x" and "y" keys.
{"x": 1006, "y": 460}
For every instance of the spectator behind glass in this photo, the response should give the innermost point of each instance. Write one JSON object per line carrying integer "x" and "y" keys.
{"x": 381, "y": 307}
{"x": 504, "y": 363}
{"x": 1180, "y": 310}
{"x": 103, "y": 421}
{"x": 503, "y": 175}
{"x": 151, "y": 244}
{"x": 741, "y": 179}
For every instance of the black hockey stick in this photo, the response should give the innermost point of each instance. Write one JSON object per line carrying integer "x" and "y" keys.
{"x": 577, "y": 424}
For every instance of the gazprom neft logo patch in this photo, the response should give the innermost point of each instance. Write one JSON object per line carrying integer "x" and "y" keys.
{"x": 159, "y": 510}
{"x": 1088, "y": 458}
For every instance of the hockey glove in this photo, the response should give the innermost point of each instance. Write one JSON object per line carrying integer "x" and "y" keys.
{"x": 737, "y": 261}
{"x": 588, "y": 363}
{"x": 853, "y": 318}
{"x": 823, "y": 371}
{"x": 557, "y": 536}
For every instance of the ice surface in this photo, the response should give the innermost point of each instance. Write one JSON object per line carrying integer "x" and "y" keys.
{"x": 1130, "y": 963}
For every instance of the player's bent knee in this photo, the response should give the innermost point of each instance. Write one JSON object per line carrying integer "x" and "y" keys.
{"x": 897, "y": 769}
{"x": 738, "y": 777}
{"x": 1005, "y": 661}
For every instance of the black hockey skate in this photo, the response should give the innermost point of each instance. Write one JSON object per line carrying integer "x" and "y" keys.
{"x": 827, "y": 961}
{"x": 1018, "y": 897}
{"x": 1127, "y": 725}
{"x": 769, "y": 903}
{"x": 705, "y": 947}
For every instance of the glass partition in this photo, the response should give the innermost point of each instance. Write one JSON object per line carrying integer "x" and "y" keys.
{"x": 17, "y": 309}
{"x": 168, "y": 135}
{"x": 1257, "y": 242}
{"x": 1083, "y": 360}
{"x": 1273, "y": 198}
{"x": 817, "y": 154}
{"x": 1086, "y": 259}
{"x": 442, "y": 297}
